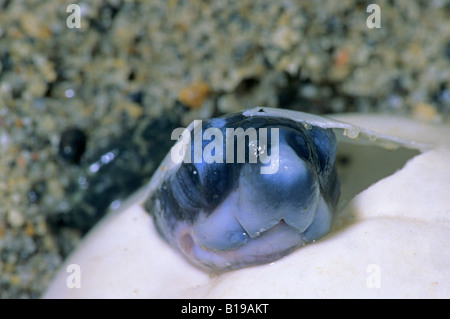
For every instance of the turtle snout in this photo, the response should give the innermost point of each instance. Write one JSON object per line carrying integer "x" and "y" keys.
{"x": 291, "y": 194}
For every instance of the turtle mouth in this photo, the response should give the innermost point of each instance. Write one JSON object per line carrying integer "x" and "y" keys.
{"x": 256, "y": 223}
{"x": 219, "y": 242}
{"x": 270, "y": 245}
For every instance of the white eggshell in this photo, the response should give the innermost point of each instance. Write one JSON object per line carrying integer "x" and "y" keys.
{"x": 390, "y": 240}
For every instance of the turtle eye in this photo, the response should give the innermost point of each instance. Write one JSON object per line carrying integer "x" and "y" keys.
{"x": 181, "y": 195}
{"x": 191, "y": 176}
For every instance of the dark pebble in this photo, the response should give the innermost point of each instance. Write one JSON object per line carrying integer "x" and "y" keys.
{"x": 72, "y": 145}
{"x": 137, "y": 97}
{"x": 36, "y": 191}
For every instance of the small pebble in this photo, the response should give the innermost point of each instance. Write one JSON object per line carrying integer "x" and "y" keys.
{"x": 15, "y": 218}
{"x": 424, "y": 111}
{"x": 194, "y": 95}
{"x": 72, "y": 145}
{"x": 36, "y": 192}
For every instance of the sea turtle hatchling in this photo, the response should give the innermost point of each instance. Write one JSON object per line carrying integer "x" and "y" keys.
{"x": 255, "y": 189}
{"x": 388, "y": 216}
{"x": 223, "y": 212}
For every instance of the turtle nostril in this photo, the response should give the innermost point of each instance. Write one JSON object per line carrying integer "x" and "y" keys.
{"x": 186, "y": 243}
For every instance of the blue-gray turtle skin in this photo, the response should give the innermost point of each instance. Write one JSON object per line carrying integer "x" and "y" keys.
{"x": 227, "y": 214}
